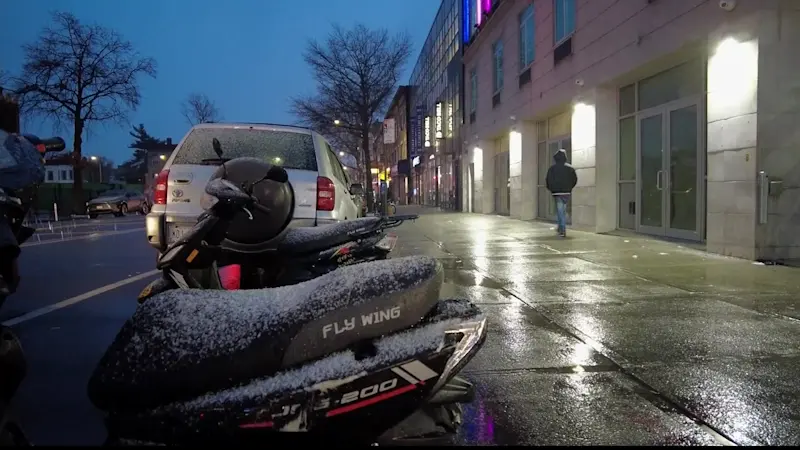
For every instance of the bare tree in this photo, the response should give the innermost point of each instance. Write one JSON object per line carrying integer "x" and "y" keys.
{"x": 81, "y": 74}
{"x": 356, "y": 71}
{"x": 5, "y": 79}
{"x": 198, "y": 108}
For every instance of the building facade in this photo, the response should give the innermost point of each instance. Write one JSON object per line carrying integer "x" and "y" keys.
{"x": 436, "y": 98}
{"x": 396, "y": 136}
{"x": 677, "y": 116}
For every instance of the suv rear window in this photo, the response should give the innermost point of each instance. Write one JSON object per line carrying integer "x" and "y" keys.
{"x": 285, "y": 148}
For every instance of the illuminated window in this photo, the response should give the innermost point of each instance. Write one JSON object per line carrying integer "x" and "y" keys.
{"x": 564, "y": 19}
{"x": 526, "y": 38}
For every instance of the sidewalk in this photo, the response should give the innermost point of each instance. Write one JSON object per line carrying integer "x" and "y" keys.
{"x": 715, "y": 339}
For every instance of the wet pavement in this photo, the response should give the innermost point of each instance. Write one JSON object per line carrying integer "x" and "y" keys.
{"x": 593, "y": 339}
{"x": 598, "y": 339}
{"x": 69, "y": 258}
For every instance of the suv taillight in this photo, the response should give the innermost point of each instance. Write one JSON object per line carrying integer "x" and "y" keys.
{"x": 326, "y": 194}
{"x": 160, "y": 191}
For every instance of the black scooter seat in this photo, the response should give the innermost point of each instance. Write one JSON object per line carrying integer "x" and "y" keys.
{"x": 186, "y": 342}
{"x": 302, "y": 240}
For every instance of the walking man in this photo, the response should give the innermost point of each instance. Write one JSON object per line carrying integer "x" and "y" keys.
{"x": 561, "y": 179}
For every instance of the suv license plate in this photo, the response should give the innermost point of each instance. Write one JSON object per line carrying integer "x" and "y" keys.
{"x": 177, "y": 231}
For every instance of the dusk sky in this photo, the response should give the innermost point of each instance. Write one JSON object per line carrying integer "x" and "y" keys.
{"x": 246, "y": 55}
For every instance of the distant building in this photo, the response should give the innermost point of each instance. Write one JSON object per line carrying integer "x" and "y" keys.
{"x": 61, "y": 173}
{"x": 395, "y": 146}
{"x": 58, "y": 169}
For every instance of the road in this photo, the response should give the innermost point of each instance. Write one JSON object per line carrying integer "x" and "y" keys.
{"x": 594, "y": 339}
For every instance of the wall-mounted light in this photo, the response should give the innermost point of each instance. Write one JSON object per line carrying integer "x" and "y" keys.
{"x": 583, "y": 126}
{"x": 733, "y": 72}
{"x": 514, "y": 147}
{"x": 477, "y": 162}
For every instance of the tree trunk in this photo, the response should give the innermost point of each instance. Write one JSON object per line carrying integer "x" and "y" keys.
{"x": 77, "y": 170}
{"x": 367, "y": 169}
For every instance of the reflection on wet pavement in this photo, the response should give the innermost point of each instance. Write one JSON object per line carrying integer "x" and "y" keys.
{"x": 520, "y": 338}
{"x": 600, "y": 339}
{"x": 602, "y": 408}
{"x": 704, "y": 328}
{"x": 470, "y": 278}
{"x": 76, "y": 228}
{"x": 752, "y": 402}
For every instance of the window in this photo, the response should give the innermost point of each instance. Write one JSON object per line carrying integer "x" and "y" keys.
{"x": 473, "y": 88}
{"x": 49, "y": 175}
{"x": 69, "y": 174}
{"x": 526, "y": 38}
{"x": 565, "y": 19}
{"x": 292, "y": 150}
{"x": 63, "y": 175}
{"x": 336, "y": 166}
{"x": 497, "y": 52}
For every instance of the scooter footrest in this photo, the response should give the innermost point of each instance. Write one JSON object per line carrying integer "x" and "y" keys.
{"x": 457, "y": 390}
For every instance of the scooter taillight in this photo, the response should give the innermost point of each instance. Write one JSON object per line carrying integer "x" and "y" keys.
{"x": 231, "y": 276}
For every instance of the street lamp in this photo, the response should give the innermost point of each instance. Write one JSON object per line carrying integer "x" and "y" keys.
{"x": 99, "y": 166}
{"x": 341, "y": 124}
{"x": 341, "y": 153}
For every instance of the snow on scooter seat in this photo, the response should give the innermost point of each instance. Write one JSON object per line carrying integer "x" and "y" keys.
{"x": 342, "y": 366}
{"x": 197, "y": 322}
{"x": 306, "y": 239}
{"x": 184, "y": 340}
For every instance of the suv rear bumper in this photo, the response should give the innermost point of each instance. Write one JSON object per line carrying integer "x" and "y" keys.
{"x": 156, "y": 226}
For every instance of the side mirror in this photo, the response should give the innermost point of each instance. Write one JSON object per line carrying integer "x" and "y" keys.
{"x": 356, "y": 189}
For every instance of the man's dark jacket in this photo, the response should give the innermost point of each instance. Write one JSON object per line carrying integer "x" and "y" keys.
{"x": 561, "y": 177}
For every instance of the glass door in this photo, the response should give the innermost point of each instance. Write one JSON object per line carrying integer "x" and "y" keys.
{"x": 670, "y": 179}
{"x": 650, "y": 201}
{"x": 683, "y": 183}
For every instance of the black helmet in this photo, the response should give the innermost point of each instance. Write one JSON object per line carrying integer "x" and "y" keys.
{"x": 274, "y": 193}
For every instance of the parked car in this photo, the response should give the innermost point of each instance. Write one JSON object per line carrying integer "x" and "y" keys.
{"x": 118, "y": 203}
{"x": 320, "y": 183}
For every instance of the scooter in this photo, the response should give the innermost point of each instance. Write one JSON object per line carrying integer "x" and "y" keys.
{"x": 14, "y": 205}
{"x": 308, "y": 252}
{"x": 345, "y": 358}
{"x": 297, "y": 255}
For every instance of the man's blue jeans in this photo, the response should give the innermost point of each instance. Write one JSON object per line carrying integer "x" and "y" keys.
{"x": 561, "y": 212}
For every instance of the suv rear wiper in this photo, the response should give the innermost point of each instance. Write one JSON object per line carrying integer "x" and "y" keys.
{"x": 214, "y": 161}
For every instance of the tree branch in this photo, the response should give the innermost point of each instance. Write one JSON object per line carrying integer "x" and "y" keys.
{"x": 81, "y": 74}
{"x": 198, "y": 108}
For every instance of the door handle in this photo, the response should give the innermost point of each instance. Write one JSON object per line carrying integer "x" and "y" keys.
{"x": 658, "y": 180}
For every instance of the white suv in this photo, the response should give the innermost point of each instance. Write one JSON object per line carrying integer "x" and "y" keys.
{"x": 321, "y": 185}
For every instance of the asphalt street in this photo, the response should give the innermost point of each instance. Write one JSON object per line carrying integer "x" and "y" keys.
{"x": 594, "y": 339}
